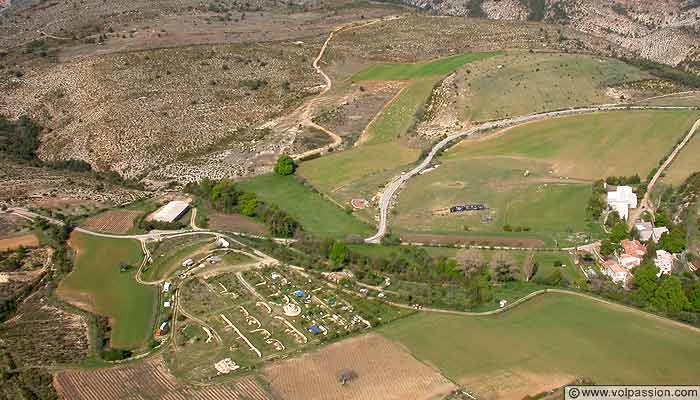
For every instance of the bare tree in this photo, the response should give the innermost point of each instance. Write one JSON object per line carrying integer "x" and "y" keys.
{"x": 529, "y": 265}
{"x": 470, "y": 261}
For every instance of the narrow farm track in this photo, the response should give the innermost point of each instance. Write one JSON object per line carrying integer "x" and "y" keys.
{"x": 393, "y": 186}
{"x": 307, "y": 114}
{"x": 645, "y": 204}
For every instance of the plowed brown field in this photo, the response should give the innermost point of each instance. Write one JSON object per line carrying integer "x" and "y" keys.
{"x": 113, "y": 221}
{"x": 384, "y": 372}
{"x": 148, "y": 380}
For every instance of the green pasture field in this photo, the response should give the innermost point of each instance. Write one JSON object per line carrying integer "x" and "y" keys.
{"x": 527, "y": 83}
{"x": 97, "y": 283}
{"x": 591, "y": 146}
{"x": 335, "y": 171}
{"x": 398, "y": 117}
{"x": 551, "y": 336}
{"x": 316, "y": 214}
{"x": 551, "y": 208}
{"x": 686, "y": 100}
{"x": 545, "y": 266}
{"x": 404, "y": 72}
{"x": 686, "y": 162}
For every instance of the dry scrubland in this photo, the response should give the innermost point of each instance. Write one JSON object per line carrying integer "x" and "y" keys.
{"x": 384, "y": 371}
{"x": 42, "y": 334}
{"x": 420, "y": 38}
{"x": 25, "y": 184}
{"x": 163, "y": 23}
{"x": 148, "y": 379}
{"x": 136, "y": 112}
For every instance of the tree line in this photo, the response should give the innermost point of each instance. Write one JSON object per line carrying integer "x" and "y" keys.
{"x": 225, "y": 196}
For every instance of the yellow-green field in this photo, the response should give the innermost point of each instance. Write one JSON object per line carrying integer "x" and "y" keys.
{"x": 523, "y": 83}
{"x": 536, "y": 177}
{"x": 97, "y": 284}
{"x": 590, "y": 146}
{"x": 686, "y": 162}
{"x": 548, "y": 342}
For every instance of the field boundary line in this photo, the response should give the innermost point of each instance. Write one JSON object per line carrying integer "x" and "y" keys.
{"x": 363, "y": 138}
{"x": 537, "y": 293}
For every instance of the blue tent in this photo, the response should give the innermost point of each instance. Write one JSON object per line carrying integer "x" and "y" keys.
{"x": 299, "y": 293}
{"x": 315, "y": 330}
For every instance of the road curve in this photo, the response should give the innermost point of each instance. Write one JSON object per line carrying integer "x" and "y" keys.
{"x": 393, "y": 186}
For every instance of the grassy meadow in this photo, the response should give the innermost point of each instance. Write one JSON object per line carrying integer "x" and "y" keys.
{"x": 552, "y": 339}
{"x": 522, "y": 83}
{"x": 405, "y": 72}
{"x": 590, "y": 146}
{"x": 686, "y": 162}
{"x": 97, "y": 284}
{"x": 316, "y": 214}
{"x": 552, "y": 209}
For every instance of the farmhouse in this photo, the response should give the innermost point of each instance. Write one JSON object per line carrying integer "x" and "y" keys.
{"x": 171, "y": 212}
{"x": 621, "y": 200}
{"x": 616, "y": 272}
{"x": 634, "y": 248}
{"x": 663, "y": 261}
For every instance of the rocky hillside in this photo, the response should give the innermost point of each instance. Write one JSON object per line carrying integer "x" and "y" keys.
{"x": 665, "y": 31}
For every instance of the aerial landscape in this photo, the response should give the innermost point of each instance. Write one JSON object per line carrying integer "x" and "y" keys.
{"x": 348, "y": 199}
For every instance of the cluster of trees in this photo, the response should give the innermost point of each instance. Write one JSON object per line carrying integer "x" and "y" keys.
{"x": 597, "y": 203}
{"x": 224, "y": 195}
{"x": 285, "y": 165}
{"x": 27, "y": 383}
{"x": 19, "y": 139}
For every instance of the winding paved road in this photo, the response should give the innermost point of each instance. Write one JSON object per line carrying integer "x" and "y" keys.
{"x": 395, "y": 185}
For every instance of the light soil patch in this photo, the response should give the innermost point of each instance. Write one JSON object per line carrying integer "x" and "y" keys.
{"x": 113, "y": 221}
{"x": 384, "y": 371}
{"x": 514, "y": 384}
{"x": 29, "y": 240}
{"x": 235, "y": 223}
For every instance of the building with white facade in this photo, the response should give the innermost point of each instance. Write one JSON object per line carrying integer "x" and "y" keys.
{"x": 171, "y": 211}
{"x": 663, "y": 261}
{"x": 616, "y": 272}
{"x": 621, "y": 200}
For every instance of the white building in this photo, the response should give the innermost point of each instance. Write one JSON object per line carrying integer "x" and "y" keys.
{"x": 645, "y": 230}
{"x": 663, "y": 261}
{"x": 171, "y": 211}
{"x": 658, "y": 232}
{"x": 616, "y": 272}
{"x": 621, "y": 200}
{"x": 166, "y": 287}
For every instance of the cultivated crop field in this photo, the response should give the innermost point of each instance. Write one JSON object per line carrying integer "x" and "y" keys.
{"x": 97, "y": 284}
{"x": 384, "y": 371}
{"x": 315, "y": 214}
{"x": 112, "y": 221}
{"x": 236, "y": 223}
{"x": 146, "y": 379}
{"x": 548, "y": 342}
{"x": 11, "y": 243}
